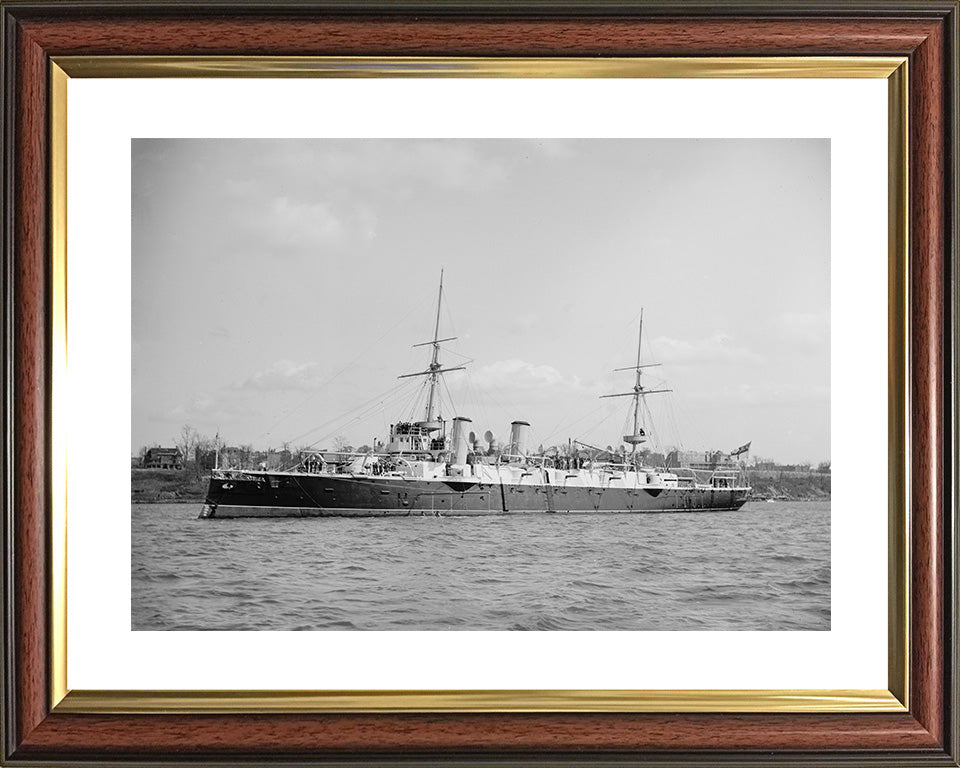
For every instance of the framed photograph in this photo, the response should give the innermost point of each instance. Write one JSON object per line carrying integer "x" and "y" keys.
{"x": 440, "y": 384}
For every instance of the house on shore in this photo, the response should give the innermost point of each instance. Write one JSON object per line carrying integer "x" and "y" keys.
{"x": 162, "y": 458}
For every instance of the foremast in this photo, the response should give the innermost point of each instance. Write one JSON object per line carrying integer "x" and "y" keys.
{"x": 435, "y": 369}
{"x": 638, "y": 393}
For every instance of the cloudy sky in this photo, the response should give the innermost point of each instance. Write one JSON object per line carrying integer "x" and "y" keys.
{"x": 278, "y": 286}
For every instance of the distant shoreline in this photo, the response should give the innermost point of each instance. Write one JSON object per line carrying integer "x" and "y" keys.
{"x": 774, "y": 485}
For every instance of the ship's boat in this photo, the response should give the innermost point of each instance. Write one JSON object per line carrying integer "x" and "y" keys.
{"x": 438, "y": 467}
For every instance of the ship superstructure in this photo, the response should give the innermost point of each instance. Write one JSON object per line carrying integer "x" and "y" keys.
{"x": 434, "y": 466}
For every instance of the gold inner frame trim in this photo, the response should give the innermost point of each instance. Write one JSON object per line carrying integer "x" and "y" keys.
{"x": 58, "y": 395}
{"x": 893, "y": 69}
{"x": 898, "y": 386}
{"x": 132, "y": 702}
{"x": 434, "y": 66}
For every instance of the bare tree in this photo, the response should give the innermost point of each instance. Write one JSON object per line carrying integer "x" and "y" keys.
{"x": 202, "y": 448}
{"x": 340, "y": 444}
{"x": 186, "y": 441}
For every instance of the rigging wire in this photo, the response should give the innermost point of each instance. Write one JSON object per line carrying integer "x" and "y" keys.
{"x": 359, "y": 418}
{"x": 672, "y": 414}
{"x": 472, "y": 393}
{"x": 627, "y": 426}
{"x": 385, "y": 393}
{"x": 363, "y": 415}
{"x": 562, "y": 425}
{"x": 599, "y": 423}
{"x": 677, "y": 414}
{"x": 319, "y": 388}
{"x": 479, "y": 396}
{"x": 453, "y": 408}
{"x": 457, "y": 354}
{"x": 414, "y": 403}
{"x": 475, "y": 393}
{"x": 652, "y": 427}
{"x": 366, "y": 410}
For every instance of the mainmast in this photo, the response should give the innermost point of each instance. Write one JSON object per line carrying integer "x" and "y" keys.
{"x": 435, "y": 368}
{"x": 636, "y": 385}
{"x": 638, "y": 392}
{"x": 434, "y": 362}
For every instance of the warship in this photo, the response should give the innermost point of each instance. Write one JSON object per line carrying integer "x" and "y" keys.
{"x": 439, "y": 467}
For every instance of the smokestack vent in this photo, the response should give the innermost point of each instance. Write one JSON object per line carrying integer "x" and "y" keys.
{"x": 459, "y": 439}
{"x": 519, "y": 431}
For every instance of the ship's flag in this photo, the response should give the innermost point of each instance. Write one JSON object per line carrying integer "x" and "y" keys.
{"x": 742, "y": 449}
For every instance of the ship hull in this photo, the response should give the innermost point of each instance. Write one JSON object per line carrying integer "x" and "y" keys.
{"x": 301, "y": 495}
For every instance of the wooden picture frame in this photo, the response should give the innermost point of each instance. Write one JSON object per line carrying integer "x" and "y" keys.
{"x": 43, "y": 725}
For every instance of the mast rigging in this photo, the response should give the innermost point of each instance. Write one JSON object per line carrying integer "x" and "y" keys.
{"x": 639, "y": 434}
{"x": 435, "y": 368}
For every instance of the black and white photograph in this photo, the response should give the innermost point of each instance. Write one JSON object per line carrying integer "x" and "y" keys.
{"x": 481, "y": 384}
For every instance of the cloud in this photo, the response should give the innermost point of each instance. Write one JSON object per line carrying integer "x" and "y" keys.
{"x": 395, "y": 167}
{"x": 284, "y": 375}
{"x": 295, "y": 221}
{"x": 516, "y": 375}
{"x": 235, "y": 402}
{"x": 287, "y": 224}
{"x": 207, "y": 411}
{"x": 719, "y": 348}
{"x": 452, "y": 165}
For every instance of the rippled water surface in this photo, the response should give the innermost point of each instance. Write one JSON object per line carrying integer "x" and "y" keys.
{"x": 766, "y": 567}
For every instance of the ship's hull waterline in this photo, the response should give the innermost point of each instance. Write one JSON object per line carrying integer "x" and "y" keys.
{"x": 303, "y": 495}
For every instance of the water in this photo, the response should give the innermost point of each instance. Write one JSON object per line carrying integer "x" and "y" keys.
{"x": 766, "y": 567}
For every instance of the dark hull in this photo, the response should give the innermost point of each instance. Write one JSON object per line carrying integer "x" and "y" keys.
{"x": 303, "y": 495}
